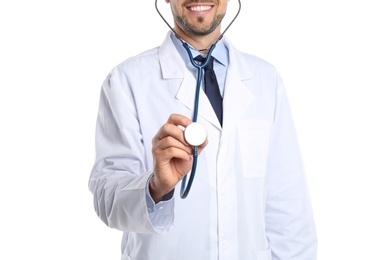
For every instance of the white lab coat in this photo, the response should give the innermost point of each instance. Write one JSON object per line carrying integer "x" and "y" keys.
{"x": 249, "y": 199}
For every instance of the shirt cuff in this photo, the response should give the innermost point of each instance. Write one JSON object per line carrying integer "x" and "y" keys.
{"x": 161, "y": 214}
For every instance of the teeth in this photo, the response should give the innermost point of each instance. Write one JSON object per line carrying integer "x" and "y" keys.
{"x": 200, "y": 8}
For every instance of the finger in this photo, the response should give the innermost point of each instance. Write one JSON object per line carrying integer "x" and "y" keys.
{"x": 179, "y": 120}
{"x": 171, "y": 129}
{"x": 166, "y": 155}
{"x": 171, "y": 142}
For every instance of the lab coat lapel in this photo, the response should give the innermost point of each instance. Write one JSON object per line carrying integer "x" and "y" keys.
{"x": 173, "y": 67}
{"x": 186, "y": 95}
{"x": 237, "y": 97}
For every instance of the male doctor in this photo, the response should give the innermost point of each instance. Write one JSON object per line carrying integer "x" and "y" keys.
{"x": 249, "y": 199}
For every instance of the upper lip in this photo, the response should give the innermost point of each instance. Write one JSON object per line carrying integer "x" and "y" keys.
{"x": 194, "y": 3}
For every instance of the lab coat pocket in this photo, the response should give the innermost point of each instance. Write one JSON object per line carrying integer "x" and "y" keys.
{"x": 254, "y": 144}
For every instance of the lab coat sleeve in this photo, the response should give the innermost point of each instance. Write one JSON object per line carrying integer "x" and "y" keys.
{"x": 290, "y": 226}
{"x": 119, "y": 178}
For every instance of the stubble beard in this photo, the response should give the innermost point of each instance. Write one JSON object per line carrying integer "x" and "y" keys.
{"x": 199, "y": 30}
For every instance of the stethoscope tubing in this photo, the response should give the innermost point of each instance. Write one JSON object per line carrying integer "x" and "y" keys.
{"x": 186, "y": 188}
{"x": 199, "y": 68}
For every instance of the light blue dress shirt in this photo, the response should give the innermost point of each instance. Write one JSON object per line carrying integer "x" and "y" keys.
{"x": 221, "y": 60}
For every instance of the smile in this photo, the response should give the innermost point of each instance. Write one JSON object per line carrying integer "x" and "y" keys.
{"x": 199, "y": 8}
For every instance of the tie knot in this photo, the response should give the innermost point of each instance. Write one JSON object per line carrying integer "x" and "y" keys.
{"x": 201, "y": 59}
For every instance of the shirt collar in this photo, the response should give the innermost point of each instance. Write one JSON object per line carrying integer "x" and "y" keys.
{"x": 220, "y": 52}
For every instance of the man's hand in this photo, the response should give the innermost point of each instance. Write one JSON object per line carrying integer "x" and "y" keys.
{"x": 173, "y": 156}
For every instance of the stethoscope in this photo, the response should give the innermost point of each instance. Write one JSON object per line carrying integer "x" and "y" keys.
{"x": 195, "y": 134}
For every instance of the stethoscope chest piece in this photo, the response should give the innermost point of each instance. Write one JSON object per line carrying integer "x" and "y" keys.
{"x": 195, "y": 134}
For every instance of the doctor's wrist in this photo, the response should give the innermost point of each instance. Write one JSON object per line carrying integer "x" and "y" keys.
{"x": 158, "y": 194}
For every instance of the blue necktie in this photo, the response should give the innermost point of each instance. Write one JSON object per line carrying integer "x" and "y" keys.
{"x": 211, "y": 87}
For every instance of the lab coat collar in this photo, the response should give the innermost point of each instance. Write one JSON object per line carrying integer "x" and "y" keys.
{"x": 220, "y": 52}
{"x": 236, "y": 97}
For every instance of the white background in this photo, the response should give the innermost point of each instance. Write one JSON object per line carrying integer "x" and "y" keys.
{"x": 54, "y": 56}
